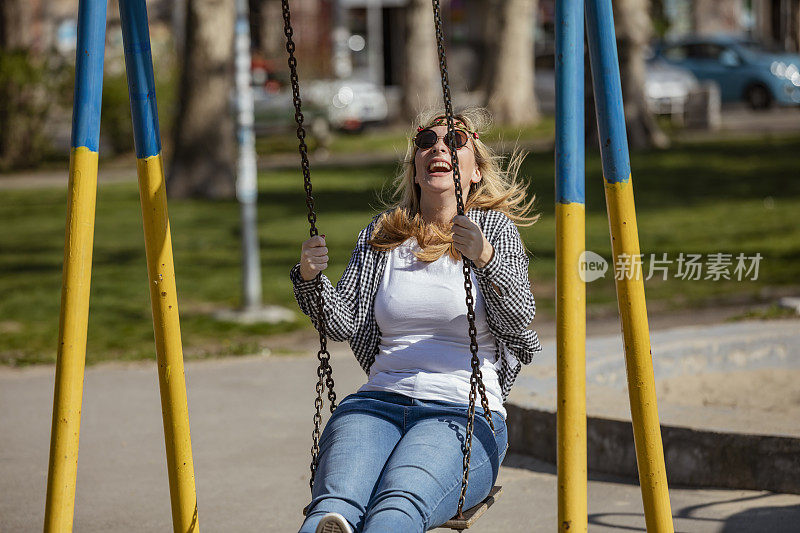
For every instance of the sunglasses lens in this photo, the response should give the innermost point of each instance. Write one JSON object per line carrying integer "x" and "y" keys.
{"x": 425, "y": 139}
{"x": 461, "y": 138}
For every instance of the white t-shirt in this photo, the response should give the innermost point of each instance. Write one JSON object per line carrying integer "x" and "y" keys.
{"x": 424, "y": 352}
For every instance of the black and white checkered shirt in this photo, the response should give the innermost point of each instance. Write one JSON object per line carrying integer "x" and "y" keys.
{"x": 350, "y": 311}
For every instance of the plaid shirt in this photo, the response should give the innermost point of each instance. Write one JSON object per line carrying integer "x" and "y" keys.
{"x": 350, "y": 311}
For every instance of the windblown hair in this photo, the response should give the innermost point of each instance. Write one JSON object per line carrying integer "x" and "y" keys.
{"x": 499, "y": 189}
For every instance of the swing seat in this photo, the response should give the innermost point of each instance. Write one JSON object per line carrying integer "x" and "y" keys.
{"x": 470, "y": 515}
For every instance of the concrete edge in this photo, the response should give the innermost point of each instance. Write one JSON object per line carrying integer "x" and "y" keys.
{"x": 694, "y": 458}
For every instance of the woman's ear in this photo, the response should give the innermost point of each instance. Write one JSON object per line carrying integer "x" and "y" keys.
{"x": 476, "y": 175}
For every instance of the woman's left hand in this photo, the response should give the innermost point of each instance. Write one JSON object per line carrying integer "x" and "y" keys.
{"x": 469, "y": 240}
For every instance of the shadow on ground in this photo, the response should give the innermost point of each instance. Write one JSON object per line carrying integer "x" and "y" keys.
{"x": 760, "y": 514}
{"x": 775, "y": 519}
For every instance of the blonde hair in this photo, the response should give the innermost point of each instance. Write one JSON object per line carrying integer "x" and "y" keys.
{"x": 499, "y": 189}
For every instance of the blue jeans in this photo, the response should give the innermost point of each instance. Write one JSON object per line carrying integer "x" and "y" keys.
{"x": 390, "y": 463}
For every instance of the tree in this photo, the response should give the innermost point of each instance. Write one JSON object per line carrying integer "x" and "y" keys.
{"x": 26, "y": 88}
{"x": 490, "y": 30}
{"x": 510, "y": 95}
{"x": 796, "y": 26}
{"x": 204, "y": 152}
{"x": 634, "y": 30}
{"x": 421, "y": 80}
{"x": 15, "y": 24}
{"x": 266, "y": 27}
{"x": 715, "y": 16}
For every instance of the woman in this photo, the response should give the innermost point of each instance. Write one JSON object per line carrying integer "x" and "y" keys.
{"x": 391, "y": 454}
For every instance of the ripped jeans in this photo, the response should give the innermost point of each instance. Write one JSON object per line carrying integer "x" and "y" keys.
{"x": 391, "y": 463}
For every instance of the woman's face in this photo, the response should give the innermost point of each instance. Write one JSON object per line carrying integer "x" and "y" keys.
{"x": 434, "y": 172}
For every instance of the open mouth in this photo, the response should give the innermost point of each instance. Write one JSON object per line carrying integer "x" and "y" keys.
{"x": 439, "y": 166}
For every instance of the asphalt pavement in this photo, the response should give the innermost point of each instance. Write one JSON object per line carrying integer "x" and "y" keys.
{"x": 251, "y": 433}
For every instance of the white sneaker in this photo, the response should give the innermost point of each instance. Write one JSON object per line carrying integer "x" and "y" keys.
{"x": 333, "y": 523}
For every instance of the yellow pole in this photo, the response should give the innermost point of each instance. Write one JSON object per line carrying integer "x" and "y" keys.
{"x": 570, "y": 288}
{"x": 160, "y": 267}
{"x": 630, "y": 285}
{"x": 62, "y": 470}
{"x": 571, "y": 368}
{"x": 638, "y": 358}
{"x": 72, "y": 325}
{"x": 171, "y": 378}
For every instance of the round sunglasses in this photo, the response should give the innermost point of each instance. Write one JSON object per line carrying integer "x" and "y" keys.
{"x": 427, "y": 138}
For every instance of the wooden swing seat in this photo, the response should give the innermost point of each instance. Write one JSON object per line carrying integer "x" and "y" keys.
{"x": 471, "y": 515}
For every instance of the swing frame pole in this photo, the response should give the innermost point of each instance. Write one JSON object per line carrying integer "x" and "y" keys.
{"x": 570, "y": 288}
{"x": 618, "y": 187}
{"x": 77, "y": 270}
{"x": 160, "y": 266}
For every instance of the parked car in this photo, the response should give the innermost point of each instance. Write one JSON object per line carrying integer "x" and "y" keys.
{"x": 666, "y": 86}
{"x": 273, "y": 112}
{"x": 350, "y": 104}
{"x": 339, "y": 104}
{"x": 745, "y": 70}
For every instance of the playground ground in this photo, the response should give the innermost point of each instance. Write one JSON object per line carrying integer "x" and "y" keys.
{"x": 251, "y": 427}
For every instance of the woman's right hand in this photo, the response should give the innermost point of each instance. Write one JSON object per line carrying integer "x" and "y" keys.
{"x": 313, "y": 257}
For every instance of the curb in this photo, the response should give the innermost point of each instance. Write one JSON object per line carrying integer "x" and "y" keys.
{"x": 693, "y": 457}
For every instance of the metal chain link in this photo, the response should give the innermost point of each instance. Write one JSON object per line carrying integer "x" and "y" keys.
{"x": 324, "y": 371}
{"x": 476, "y": 379}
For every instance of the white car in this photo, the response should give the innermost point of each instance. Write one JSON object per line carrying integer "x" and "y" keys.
{"x": 350, "y": 104}
{"x": 666, "y": 87}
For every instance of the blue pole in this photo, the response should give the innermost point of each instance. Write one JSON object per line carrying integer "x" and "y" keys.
{"x": 87, "y": 98}
{"x": 569, "y": 102}
{"x": 160, "y": 265}
{"x": 607, "y": 91}
{"x": 77, "y": 270}
{"x": 141, "y": 84}
{"x": 570, "y": 288}
{"x": 618, "y": 188}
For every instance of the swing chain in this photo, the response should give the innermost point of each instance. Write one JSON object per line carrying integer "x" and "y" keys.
{"x": 324, "y": 370}
{"x": 476, "y": 379}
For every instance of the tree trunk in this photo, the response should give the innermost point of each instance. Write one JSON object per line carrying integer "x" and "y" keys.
{"x": 633, "y": 32}
{"x": 490, "y": 32}
{"x": 25, "y": 82}
{"x": 716, "y": 16}
{"x": 266, "y": 28}
{"x": 511, "y": 98}
{"x": 204, "y": 155}
{"x": 15, "y": 24}
{"x": 422, "y": 87}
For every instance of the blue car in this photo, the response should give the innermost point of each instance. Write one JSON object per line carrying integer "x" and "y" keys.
{"x": 743, "y": 69}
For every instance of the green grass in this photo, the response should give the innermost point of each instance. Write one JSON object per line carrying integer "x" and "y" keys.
{"x": 734, "y": 196}
{"x": 770, "y": 312}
